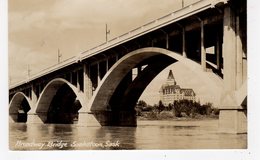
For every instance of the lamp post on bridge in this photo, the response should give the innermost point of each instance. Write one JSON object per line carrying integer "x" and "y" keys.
{"x": 28, "y": 71}
{"x": 59, "y": 56}
{"x": 107, "y": 32}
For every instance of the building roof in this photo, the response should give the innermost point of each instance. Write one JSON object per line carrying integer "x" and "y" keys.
{"x": 188, "y": 92}
{"x": 174, "y": 87}
{"x": 170, "y": 76}
{"x": 170, "y": 79}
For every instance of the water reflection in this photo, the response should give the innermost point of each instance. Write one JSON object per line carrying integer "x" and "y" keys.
{"x": 148, "y": 135}
{"x": 19, "y": 133}
{"x": 110, "y": 137}
{"x": 185, "y": 127}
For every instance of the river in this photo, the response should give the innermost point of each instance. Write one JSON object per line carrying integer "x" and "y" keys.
{"x": 196, "y": 134}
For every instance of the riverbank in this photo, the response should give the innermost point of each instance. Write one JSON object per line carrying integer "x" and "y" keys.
{"x": 169, "y": 115}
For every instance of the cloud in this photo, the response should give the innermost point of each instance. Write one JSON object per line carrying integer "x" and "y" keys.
{"x": 21, "y": 57}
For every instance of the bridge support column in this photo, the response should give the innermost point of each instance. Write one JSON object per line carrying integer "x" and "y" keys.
{"x": 183, "y": 43}
{"x": 218, "y": 50}
{"x": 202, "y": 50}
{"x": 98, "y": 74}
{"x": 87, "y": 82}
{"x": 34, "y": 97}
{"x": 239, "y": 60}
{"x": 229, "y": 50}
{"x": 78, "y": 84}
{"x": 167, "y": 41}
{"x": 85, "y": 118}
{"x": 232, "y": 118}
{"x": 32, "y": 117}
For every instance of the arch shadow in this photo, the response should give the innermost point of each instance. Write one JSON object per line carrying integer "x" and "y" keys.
{"x": 59, "y": 102}
{"x": 18, "y": 107}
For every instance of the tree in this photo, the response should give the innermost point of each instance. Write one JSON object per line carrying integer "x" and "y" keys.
{"x": 176, "y": 108}
{"x": 170, "y": 106}
{"x": 142, "y": 103}
{"x": 185, "y": 106}
{"x": 160, "y": 107}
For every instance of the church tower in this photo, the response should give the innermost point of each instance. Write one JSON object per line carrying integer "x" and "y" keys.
{"x": 171, "y": 79}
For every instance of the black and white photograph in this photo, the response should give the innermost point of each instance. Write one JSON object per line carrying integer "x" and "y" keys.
{"x": 99, "y": 75}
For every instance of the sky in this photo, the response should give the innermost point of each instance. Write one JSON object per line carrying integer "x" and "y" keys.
{"x": 39, "y": 28}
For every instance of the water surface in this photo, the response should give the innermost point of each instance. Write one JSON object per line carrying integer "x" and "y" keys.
{"x": 199, "y": 134}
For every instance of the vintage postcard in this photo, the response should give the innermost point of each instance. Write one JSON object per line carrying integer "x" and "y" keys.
{"x": 127, "y": 75}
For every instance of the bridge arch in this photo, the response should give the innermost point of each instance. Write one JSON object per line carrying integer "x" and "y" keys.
{"x": 18, "y": 107}
{"x": 59, "y": 102}
{"x": 100, "y": 101}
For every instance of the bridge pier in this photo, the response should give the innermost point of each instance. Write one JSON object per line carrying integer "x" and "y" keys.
{"x": 87, "y": 119}
{"x": 116, "y": 118}
{"x": 33, "y": 117}
{"x": 232, "y": 117}
{"x": 233, "y": 113}
{"x": 232, "y": 121}
{"x": 107, "y": 118}
{"x": 202, "y": 46}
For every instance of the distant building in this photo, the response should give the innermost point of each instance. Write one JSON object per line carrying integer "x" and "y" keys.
{"x": 171, "y": 92}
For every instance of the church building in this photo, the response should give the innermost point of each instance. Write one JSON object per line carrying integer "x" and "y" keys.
{"x": 171, "y": 92}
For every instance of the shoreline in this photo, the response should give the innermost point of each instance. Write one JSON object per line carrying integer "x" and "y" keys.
{"x": 171, "y": 117}
{"x": 178, "y": 119}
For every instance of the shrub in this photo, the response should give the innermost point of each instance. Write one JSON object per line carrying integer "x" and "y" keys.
{"x": 138, "y": 111}
{"x": 165, "y": 115}
{"x": 152, "y": 115}
{"x": 147, "y": 108}
{"x": 191, "y": 108}
{"x": 142, "y": 103}
{"x": 184, "y": 106}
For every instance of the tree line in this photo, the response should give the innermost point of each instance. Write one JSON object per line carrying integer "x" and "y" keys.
{"x": 181, "y": 108}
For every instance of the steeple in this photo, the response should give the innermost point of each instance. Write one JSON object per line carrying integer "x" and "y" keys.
{"x": 170, "y": 79}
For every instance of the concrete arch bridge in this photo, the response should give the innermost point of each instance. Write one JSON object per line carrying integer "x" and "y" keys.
{"x": 97, "y": 86}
